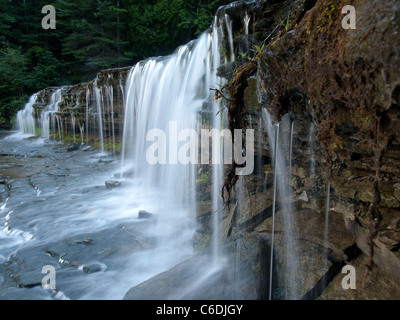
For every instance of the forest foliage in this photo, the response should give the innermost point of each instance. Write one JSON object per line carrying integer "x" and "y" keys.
{"x": 90, "y": 35}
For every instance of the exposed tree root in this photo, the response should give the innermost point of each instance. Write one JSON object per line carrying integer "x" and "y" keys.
{"x": 236, "y": 116}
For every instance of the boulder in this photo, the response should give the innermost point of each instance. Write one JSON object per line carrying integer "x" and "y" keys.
{"x": 111, "y": 184}
{"x": 243, "y": 276}
{"x": 143, "y": 214}
{"x": 93, "y": 268}
{"x": 6, "y": 126}
{"x": 73, "y": 147}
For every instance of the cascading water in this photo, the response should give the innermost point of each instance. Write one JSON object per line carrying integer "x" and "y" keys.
{"x": 100, "y": 112}
{"x": 49, "y": 115}
{"x": 167, "y": 94}
{"x": 110, "y": 100}
{"x": 87, "y": 113}
{"x": 228, "y": 22}
{"x": 246, "y": 21}
{"x": 25, "y": 117}
{"x": 275, "y": 152}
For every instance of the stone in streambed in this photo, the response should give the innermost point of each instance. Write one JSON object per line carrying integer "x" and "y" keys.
{"x": 106, "y": 161}
{"x": 73, "y": 147}
{"x": 143, "y": 214}
{"x": 93, "y": 268}
{"x": 111, "y": 184}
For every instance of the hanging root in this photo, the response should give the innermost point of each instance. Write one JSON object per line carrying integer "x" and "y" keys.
{"x": 236, "y": 116}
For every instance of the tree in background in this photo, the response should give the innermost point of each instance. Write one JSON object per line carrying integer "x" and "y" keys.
{"x": 93, "y": 36}
{"x": 13, "y": 68}
{"x": 90, "y": 36}
{"x": 157, "y": 27}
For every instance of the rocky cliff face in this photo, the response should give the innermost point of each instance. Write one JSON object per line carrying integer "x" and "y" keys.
{"x": 335, "y": 94}
{"x": 87, "y": 111}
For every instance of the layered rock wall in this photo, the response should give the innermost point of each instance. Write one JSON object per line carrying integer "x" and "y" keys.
{"x": 340, "y": 90}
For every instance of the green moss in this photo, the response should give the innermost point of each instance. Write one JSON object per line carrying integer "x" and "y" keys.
{"x": 108, "y": 146}
{"x": 294, "y": 183}
{"x": 388, "y": 200}
{"x": 203, "y": 179}
{"x": 364, "y": 195}
{"x": 327, "y": 17}
{"x": 38, "y": 131}
{"x": 68, "y": 139}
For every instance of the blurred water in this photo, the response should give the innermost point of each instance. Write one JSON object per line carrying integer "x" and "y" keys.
{"x": 56, "y": 208}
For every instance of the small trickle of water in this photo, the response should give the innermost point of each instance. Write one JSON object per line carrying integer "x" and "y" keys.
{"x": 276, "y": 146}
{"x": 100, "y": 112}
{"x": 246, "y": 24}
{"x": 326, "y": 231}
{"x": 228, "y": 22}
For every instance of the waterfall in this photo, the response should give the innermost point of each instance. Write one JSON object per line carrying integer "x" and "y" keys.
{"x": 276, "y": 146}
{"x": 327, "y": 210}
{"x": 167, "y": 94}
{"x": 228, "y": 22}
{"x": 48, "y": 115}
{"x": 246, "y": 24}
{"x": 87, "y": 113}
{"x": 246, "y": 21}
{"x": 25, "y": 117}
{"x": 217, "y": 169}
{"x": 100, "y": 112}
{"x": 110, "y": 99}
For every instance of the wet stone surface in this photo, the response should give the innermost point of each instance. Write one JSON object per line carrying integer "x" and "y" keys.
{"x": 55, "y": 211}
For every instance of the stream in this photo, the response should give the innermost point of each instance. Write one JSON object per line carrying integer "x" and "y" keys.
{"x": 55, "y": 210}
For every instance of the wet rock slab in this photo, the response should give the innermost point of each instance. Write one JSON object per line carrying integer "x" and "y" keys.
{"x": 379, "y": 286}
{"x": 112, "y": 184}
{"x": 143, "y": 214}
{"x": 243, "y": 275}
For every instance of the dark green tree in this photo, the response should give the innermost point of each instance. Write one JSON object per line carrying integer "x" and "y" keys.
{"x": 90, "y": 35}
{"x": 13, "y": 68}
{"x": 94, "y": 41}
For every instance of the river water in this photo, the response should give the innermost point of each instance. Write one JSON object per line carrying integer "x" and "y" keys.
{"x": 55, "y": 210}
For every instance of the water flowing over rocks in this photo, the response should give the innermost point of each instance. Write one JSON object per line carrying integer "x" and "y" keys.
{"x": 324, "y": 106}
